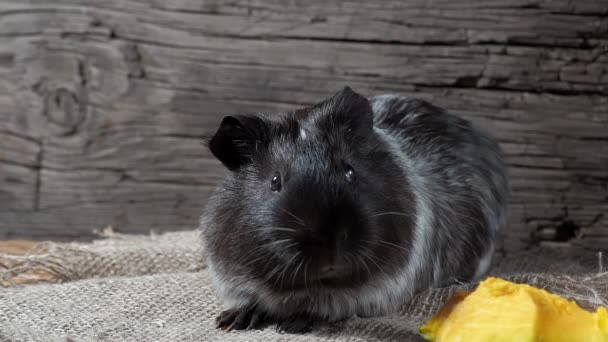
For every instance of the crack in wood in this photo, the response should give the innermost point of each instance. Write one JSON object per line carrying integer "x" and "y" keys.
{"x": 39, "y": 161}
{"x": 22, "y": 136}
{"x": 494, "y": 87}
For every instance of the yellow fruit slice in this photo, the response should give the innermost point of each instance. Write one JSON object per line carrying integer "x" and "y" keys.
{"x": 502, "y": 311}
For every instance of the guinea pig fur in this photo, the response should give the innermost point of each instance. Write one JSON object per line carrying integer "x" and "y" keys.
{"x": 348, "y": 207}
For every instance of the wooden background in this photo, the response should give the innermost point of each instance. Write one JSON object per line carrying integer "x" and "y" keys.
{"x": 103, "y": 104}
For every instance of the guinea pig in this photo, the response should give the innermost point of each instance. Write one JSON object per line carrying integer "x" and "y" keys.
{"x": 348, "y": 208}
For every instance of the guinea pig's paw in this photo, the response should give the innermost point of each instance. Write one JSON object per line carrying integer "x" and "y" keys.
{"x": 245, "y": 318}
{"x": 295, "y": 325}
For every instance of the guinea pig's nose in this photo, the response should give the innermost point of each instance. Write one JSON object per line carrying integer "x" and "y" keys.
{"x": 330, "y": 271}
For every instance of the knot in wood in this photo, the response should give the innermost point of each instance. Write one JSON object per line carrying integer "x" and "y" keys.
{"x": 63, "y": 109}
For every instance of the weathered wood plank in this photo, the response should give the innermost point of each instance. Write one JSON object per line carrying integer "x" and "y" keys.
{"x": 513, "y": 67}
{"x": 20, "y": 150}
{"x": 436, "y": 21}
{"x": 18, "y": 189}
{"x": 19, "y": 164}
{"x": 103, "y": 104}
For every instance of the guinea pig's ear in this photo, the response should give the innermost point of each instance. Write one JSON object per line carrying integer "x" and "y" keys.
{"x": 238, "y": 139}
{"x": 351, "y": 108}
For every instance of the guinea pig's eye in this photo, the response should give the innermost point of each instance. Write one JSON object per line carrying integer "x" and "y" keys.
{"x": 349, "y": 174}
{"x": 275, "y": 183}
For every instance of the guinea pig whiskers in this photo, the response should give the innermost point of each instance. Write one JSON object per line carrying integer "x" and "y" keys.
{"x": 298, "y": 220}
{"x": 270, "y": 274}
{"x": 278, "y": 229}
{"x": 277, "y": 242}
{"x": 375, "y": 263}
{"x": 359, "y": 258}
{"x": 269, "y": 244}
{"x": 387, "y": 244}
{"x": 295, "y": 274}
{"x": 395, "y": 213}
{"x": 282, "y": 276}
{"x": 278, "y": 267}
{"x": 252, "y": 252}
{"x": 256, "y": 259}
{"x": 306, "y": 273}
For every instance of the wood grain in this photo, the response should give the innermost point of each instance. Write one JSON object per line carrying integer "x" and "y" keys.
{"x": 103, "y": 104}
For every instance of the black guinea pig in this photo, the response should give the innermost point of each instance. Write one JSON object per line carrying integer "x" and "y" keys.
{"x": 348, "y": 207}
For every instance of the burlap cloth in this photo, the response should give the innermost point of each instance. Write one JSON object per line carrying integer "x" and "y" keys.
{"x": 155, "y": 288}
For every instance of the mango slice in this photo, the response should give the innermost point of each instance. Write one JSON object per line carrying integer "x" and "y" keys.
{"x": 502, "y": 311}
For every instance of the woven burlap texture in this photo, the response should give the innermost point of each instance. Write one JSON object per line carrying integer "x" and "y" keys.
{"x": 156, "y": 288}
{"x": 114, "y": 255}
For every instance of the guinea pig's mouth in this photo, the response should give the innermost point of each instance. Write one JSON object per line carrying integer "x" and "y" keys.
{"x": 315, "y": 276}
{"x": 334, "y": 276}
